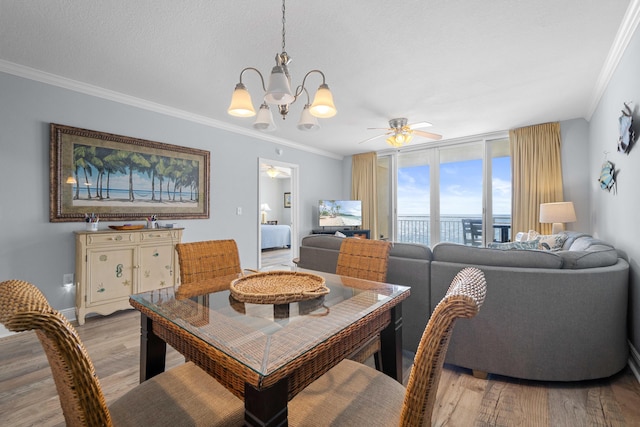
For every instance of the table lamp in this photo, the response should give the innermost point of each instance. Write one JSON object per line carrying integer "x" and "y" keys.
{"x": 264, "y": 208}
{"x": 557, "y": 213}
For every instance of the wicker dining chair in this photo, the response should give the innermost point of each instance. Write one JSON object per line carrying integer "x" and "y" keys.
{"x": 201, "y": 261}
{"x": 353, "y": 394}
{"x": 182, "y": 396}
{"x": 365, "y": 259}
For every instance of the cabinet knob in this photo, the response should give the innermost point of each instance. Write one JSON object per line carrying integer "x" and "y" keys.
{"x": 118, "y": 238}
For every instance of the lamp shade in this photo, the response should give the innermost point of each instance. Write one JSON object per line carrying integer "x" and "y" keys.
{"x": 322, "y": 105}
{"x": 307, "y": 121}
{"x": 264, "y": 119}
{"x": 241, "y": 105}
{"x": 279, "y": 90}
{"x": 557, "y": 213}
{"x": 265, "y": 207}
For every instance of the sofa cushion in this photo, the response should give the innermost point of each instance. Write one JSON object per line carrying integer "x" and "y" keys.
{"x": 588, "y": 243}
{"x": 457, "y": 253}
{"x": 324, "y": 241}
{"x": 588, "y": 259}
{"x": 410, "y": 250}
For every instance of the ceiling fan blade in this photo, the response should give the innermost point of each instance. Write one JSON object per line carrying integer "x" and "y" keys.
{"x": 379, "y": 129}
{"x": 420, "y": 125}
{"x": 373, "y": 137}
{"x": 429, "y": 135}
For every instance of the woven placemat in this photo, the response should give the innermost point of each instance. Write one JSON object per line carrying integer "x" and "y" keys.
{"x": 278, "y": 287}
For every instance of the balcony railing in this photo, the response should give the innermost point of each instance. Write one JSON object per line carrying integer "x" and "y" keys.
{"x": 418, "y": 229}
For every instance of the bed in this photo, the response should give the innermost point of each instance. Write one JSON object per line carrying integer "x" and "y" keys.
{"x": 275, "y": 236}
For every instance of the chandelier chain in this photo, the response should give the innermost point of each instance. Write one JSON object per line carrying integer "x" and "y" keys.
{"x": 283, "y": 22}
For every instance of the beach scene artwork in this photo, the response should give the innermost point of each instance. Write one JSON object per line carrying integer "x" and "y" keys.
{"x": 339, "y": 213}
{"x": 111, "y": 177}
{"x": 119, "y": 177}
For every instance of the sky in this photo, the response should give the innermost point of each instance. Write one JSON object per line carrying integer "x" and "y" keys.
{"x": 460, "y": 188}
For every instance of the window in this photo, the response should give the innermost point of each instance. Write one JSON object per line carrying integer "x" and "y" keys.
{"x": 425, "y": 194}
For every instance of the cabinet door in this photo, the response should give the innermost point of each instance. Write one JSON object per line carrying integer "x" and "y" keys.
{"x": 156, "y": 266}
{"x": 111, "y": 274}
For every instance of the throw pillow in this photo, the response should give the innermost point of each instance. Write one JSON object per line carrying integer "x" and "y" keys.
{"x": 531, "y": 244}
{"x": 549, "y": 242}
{"x": 339, "y": 234}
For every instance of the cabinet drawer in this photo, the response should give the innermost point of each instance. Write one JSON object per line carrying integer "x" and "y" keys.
{"x": 156, "y": 235}
{"x": 111, "y": 238}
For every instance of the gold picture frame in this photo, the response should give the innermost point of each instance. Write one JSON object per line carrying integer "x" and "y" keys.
{"x": 119, "y": 178}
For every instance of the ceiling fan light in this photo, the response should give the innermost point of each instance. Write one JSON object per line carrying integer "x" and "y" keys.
{"x": 241, "y": 105}
{"x": 279, "y": 89}
{"x": 264, "y": 119}
{"x": 307, "y": 121}
{"x": 322, "y": 105}
{"x": 392, "y": 141}
{"x": 408, "y": 137}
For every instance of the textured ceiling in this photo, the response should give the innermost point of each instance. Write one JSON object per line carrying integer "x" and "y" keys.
{"x": 468, "y": 67}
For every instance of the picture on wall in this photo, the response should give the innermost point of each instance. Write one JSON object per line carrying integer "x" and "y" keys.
{"x": 122, "y": 178}
{"x": 287, "y": 200}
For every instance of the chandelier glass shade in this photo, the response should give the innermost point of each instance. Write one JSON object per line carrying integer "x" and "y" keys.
{"x": 279, "y": 92}
{"x": 264, "y": 120}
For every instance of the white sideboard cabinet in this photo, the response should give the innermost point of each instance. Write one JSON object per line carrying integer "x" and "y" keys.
{"x": 113, "y": 264}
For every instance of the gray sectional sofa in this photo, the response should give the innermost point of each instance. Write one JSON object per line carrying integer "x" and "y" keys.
{"x": 553, "y": 316}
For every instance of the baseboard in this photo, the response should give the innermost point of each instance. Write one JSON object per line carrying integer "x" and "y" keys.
{"x": 69, "y": 313}
{"x": 634, "y": 361}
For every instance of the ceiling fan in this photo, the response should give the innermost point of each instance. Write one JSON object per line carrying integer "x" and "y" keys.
{"x": 402, "y": 133}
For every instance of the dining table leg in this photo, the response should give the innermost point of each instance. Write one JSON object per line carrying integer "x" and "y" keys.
{"x": 266, "y": 407}
{"x": 391, "y": 345}
{"x": 153, "y": 350}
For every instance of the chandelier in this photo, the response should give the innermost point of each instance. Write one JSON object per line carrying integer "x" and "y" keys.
{"x": 279, "y": 93}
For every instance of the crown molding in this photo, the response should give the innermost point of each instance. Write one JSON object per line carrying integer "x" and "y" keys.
{"x": 87, "y": 89}
{"x": 620, "y": 43}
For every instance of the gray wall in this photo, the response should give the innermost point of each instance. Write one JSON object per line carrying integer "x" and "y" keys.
{"x": 575, "y": 155}
{"x": 40, "y": 252}
{"x": 614, "y": 217}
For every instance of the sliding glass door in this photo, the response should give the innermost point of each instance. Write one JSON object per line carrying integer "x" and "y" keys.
{"x": 461, "y": 178}
{"x": 443, "y": 193}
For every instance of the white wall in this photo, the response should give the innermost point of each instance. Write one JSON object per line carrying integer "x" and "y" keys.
{"x": 615, "y": 217}
{"x": 272, "y": 192}
{"x": 33, "y": 249}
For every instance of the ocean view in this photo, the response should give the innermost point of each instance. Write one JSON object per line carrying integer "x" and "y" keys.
{"x": 417, "y": 228}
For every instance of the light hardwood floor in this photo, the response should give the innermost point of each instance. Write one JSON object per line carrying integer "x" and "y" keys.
{"x": 28, "y": 396}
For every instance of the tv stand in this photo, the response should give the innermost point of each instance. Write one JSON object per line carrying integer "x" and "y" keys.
{"x": 363, "y": 234}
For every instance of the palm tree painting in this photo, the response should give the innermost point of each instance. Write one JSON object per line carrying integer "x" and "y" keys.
{"x": 125, "y": 178}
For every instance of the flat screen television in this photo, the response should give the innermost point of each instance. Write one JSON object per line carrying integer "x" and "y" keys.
{"x": 340, "y": 213}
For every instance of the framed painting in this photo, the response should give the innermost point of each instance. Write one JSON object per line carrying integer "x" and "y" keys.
{"x": 117, "y": 178}
{"x": 287, "y": 200}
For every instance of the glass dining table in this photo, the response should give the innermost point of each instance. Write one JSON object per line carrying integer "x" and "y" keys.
{"x": 266, "y": 353}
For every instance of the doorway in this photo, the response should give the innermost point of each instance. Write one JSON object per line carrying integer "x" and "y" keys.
{"x": 278, "y": 214}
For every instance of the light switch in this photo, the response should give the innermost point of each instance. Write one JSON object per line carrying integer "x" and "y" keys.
{"x": 238, "y": 210}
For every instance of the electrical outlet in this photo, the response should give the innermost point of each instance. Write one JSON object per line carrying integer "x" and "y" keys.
{"x": 67, "y": 279}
